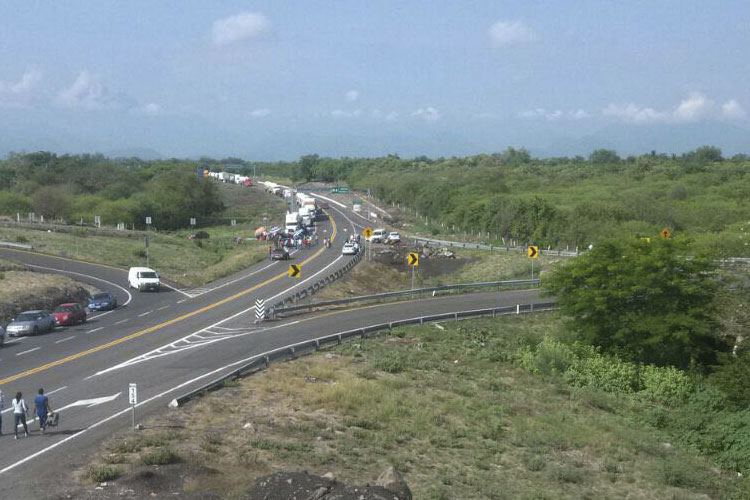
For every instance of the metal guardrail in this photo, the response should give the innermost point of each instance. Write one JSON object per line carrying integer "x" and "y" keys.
{"x": 293, "y": 351}
{"x": 403, "y": 293}
{"x": 480, "y": 246}
{"x": 15, "y": 245}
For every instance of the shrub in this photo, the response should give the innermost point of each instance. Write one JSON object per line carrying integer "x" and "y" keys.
{"x": 102, "y": 473}
{"x": 607, "y": 373}
{"x": 550, "y": 358}
{"x": 666, "y": 385}
{"x": 160, "y": 456}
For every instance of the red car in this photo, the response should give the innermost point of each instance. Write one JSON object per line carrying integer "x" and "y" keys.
{"x": 69, "y": 314}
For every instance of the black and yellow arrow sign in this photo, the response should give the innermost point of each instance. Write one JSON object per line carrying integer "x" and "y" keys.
{"x": 413, "y": 259}
{"x": 665, "y": 233}
{"x": 295, "y": 271}
{"x": 367, "y": 232}
{"x": 532, "y": 252}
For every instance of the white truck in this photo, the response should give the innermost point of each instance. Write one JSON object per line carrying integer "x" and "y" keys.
{"x": 293, "y": 221}
{"x": 308, "y": 215}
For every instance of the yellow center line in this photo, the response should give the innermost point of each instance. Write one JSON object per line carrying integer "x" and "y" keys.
{"x": 154, "y": 328}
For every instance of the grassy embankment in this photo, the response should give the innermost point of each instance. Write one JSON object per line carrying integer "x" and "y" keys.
{"x": 450, "y": 408}
{"x": 177, "y": 258}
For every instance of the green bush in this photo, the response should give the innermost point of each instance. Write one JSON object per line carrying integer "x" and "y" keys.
{"x": 608, "y": 373}
{"x": 666, "y": 385}
{"x": 102, "y": 473}
{"x": 550, "y": 357}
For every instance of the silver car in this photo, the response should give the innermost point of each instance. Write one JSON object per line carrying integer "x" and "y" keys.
{"x": 31, "y": 323}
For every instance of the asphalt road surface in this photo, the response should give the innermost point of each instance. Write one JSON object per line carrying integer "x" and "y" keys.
{"x": 167, "y": 343}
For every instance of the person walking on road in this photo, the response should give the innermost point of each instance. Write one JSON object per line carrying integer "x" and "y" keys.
{"x": 42, "y": 409}
{"x": 20, "y": 410}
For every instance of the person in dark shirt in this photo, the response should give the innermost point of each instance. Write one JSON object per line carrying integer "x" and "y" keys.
{"x": 42, "y": 408}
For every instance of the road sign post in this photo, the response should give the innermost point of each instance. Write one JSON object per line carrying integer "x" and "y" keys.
{"x": 295, "y": 271}
{"x": 413, "y": 261}
{"x": 133, "y": 398}
{"x": 532, "y": 252}
{"x": 367, "y": 233}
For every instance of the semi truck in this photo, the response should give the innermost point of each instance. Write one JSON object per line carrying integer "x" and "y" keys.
{"x": 293, "y": 221}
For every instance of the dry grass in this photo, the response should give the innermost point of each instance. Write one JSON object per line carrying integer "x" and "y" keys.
{"x": 447, "y": 411}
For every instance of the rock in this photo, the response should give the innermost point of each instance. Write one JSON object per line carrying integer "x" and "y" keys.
{"x": 330, "y": 476}
{"x": 667, "y": 445}
{"x": 393, "y": 481}
{"x": 249, "y": 427}
{"x": 330, "y": 355}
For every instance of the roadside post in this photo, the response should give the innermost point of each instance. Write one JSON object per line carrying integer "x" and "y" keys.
{"x": 192, "y": 221}
{"x": 413, "y": 261}
{"x": 532, "y": 252}
{"x": 133, "y": 398}
{"x": 148, "y": 225}
{"x": 367, "y": 233}
{"x": 260, "y": 310}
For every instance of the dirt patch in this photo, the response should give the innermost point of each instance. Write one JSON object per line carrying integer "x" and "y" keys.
{"x": 27, "y": 290}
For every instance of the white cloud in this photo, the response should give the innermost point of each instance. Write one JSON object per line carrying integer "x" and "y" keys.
{"x": 578, "y": 114}
{"x": 391, "y": 117}
{"x": 633, "y": 114}
{"x": 87, "y": 92}
{"x": 429, "y": 114}
{"x": 240, "y": 27}
{"x": 554, "y": 115}
{"x": 352, "y": 95}
{"x": 340, "y": 113}
{"x": 260, "y": 112}
{"x": 732, "y": 110}
{"x": 508, "y": 33}
{"x": 150, "y": 109}
{"x": 696, "y": 107}
{"x": 19, "y": 93}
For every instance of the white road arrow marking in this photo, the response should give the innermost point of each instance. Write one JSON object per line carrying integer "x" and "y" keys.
{"x": 91, "y": 402}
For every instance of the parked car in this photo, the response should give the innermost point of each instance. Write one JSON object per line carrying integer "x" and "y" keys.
{"x": 2, "y": 336}
{"x": 378, "y": 236}
{"x": 31, "y": 323}
{"x": 69, "y": 314}
{"x": 279, "y": 254}
{"x": 392, "y": 238}
{"x": 349, "y": 249}
{"x": 103, "y": 302}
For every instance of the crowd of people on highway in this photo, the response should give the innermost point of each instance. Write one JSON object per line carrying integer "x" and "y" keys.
{"x": 42, "y": 411}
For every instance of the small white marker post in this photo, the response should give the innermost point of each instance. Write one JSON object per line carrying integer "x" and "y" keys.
{"x": 133, "y": 397}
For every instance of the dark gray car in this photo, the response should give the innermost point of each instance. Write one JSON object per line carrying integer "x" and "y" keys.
{"x": 31, "y": 323}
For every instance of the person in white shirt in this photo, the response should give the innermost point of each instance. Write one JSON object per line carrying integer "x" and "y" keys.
{"x": 20, "y": 410}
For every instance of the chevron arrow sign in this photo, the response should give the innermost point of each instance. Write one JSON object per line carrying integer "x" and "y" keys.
{"x": 260, "y": 309}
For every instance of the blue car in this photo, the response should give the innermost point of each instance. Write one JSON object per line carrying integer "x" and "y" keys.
{"x": 102, "y": 302}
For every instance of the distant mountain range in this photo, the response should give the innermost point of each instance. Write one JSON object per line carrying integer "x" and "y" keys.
{"x": 542, "y": 140}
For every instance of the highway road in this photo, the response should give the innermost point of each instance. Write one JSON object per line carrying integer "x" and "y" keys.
{"x": 166, "y": 343}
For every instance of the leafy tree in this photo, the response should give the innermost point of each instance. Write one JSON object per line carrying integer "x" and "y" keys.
{"x": 50, "y": 202}
{"x": 651, "y": 301}
{"x": 604, "y": 156}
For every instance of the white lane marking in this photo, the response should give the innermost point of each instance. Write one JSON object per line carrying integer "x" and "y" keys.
{"x": 26, "y": 352}
{"x": 122, "y": 321}
{"x": 181, "y": 301}
{"x": 162, "y": 308}
{"x": 65, "y": 339}
{"x": 16, "y": 339}
{"x": 130, "y": 297}
{"x": 178, "y": 290}
{"x": 328, "y": 199}
{"x": 144, "y": 314}
{"x": 91, "y": 402}
{"x": 95, "y": 329}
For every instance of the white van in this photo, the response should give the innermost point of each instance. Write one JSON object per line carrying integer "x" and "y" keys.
{"x": 378, "y": 236}
{"x": 143, "y": 278}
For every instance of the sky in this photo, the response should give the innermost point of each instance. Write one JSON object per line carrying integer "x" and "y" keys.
{"x": 272, "y": 80}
